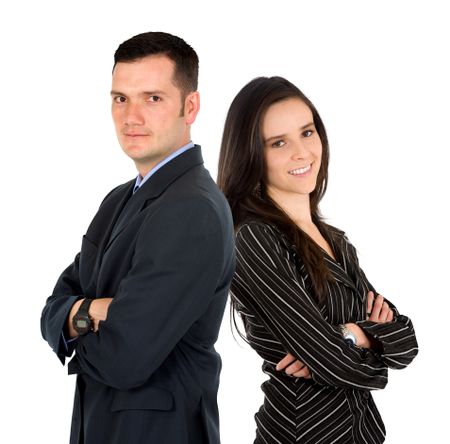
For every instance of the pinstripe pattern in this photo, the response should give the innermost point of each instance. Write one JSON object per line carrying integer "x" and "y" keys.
{"x": 273, "y": 295}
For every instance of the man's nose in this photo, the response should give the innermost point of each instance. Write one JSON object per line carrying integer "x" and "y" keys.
{"x": 134, "y": 114}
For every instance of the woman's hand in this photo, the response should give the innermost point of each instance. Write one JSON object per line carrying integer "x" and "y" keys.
{"x": 293, "y": 367}
{"x": 378, "y": 310}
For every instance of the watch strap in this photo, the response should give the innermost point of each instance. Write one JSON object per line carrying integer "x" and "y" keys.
{"x": 84, "y": 307}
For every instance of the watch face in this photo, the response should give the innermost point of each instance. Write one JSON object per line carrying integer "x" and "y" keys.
{"x": 81, "y": 323}
{"x": 349, "y": 340}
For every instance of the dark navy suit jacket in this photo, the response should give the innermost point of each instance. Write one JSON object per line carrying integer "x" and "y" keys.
{"x": 166, "y": 257}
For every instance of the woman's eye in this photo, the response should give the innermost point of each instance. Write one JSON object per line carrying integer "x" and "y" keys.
{"x": 278, "y": 144}
{"x": 308, "y": 133}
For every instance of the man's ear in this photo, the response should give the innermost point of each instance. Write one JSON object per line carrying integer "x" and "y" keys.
{"x": 191, "y": 107}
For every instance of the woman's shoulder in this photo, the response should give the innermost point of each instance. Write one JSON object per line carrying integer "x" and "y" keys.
{"x": 340, "y": 238}
{"x": 257, "y": 228}
{"x": 335, "y": 233}
{"x": 265, "y": 233}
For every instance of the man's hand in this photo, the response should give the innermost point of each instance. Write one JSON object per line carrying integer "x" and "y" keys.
{"x": 294, "y": 367}
{"x": 98, "y": 311}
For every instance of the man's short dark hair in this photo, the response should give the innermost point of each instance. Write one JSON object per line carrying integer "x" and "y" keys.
{"x": 162, "y": 43}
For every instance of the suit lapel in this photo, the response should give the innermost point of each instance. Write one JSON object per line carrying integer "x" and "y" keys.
{"x": 154, "y": 187}
{"x": 117, "y": 205}
{"x": 99, "y": 232}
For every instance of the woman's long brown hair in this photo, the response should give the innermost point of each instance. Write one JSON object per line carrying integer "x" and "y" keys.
{"x": 242, "y": 171}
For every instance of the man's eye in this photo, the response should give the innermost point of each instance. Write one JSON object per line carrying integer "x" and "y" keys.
{"x": 278, "y": 144}
{"x": 119, "y": 99}
{"x": 154, "y": 99}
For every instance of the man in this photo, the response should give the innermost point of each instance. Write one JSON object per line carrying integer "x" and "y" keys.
{"x": 142, "y": 303}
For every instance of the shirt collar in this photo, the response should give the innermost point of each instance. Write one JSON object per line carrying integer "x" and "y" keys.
{"x": 141, "y": 180}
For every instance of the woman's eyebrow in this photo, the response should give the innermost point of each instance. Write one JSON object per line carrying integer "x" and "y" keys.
{"x": 284, "y": 135}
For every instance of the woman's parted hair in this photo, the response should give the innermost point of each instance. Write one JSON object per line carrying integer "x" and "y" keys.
{"x": 242, "y": 170}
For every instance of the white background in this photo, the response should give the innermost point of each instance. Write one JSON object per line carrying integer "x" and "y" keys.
{"x": 378, "y": 74}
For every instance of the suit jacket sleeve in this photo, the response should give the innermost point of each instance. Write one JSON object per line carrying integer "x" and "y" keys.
{"x": 172, "y": 279}
{"x": 57, "y": 307}
{"x": 266, "y": 285}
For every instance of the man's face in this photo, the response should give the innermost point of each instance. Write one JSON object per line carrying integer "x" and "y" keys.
{"x": 150, "y": 117}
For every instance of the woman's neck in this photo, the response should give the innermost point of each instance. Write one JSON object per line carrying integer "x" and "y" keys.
{"x": 296, "y": 206}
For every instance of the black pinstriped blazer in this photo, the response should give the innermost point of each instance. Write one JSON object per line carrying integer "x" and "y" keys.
{"x": 273, "y": 292}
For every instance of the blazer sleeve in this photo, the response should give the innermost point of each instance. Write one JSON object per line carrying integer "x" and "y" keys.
{"x": 267, "y": 286}
{"x": 175, "y": 270}
{"x": 398, "y": 338}
{"x": 57, "y": 307}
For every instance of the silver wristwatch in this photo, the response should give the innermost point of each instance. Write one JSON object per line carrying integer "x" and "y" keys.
{"x": 349, "y": 337}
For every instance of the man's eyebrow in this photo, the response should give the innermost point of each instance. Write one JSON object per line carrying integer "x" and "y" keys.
{"x": 144, "y": 93}
{"x": 153, "y": 93}
{"x": 280, "y": 136}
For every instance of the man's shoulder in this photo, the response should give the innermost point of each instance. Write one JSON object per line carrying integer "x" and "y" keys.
{"x": 197, "y": 176}
{"x": 119, "y": 190}
{"x": 196, "y": 186}
{"x": 196, "y": 202}
{"x": 193, "y": 197}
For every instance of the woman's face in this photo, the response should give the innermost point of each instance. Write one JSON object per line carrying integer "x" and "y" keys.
{"x": 292, "y": 149}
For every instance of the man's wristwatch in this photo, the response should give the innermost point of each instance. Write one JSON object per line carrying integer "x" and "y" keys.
{"x": 349, "y": 337}
{"x": 81, "y": 322}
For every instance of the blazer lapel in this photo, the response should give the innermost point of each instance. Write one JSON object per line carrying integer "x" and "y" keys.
{"x": 154, "y": 187}
{"x": 343, "y": 269}
{"x": 116, "y": 207}
{"x": 99, "y": 232}
{"x": 339, "y": 273}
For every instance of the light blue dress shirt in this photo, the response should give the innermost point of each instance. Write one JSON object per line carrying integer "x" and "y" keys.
{"x": 140, "y": 181}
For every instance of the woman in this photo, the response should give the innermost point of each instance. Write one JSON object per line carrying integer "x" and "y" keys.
{"x": 326, "y": 337}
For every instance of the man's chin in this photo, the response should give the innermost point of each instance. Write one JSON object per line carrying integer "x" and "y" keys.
{"x": 136, "y": 152}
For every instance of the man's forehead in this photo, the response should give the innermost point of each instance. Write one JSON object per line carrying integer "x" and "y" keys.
{"x": 158, "y": 62}
{"x": 147, "y": 72}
